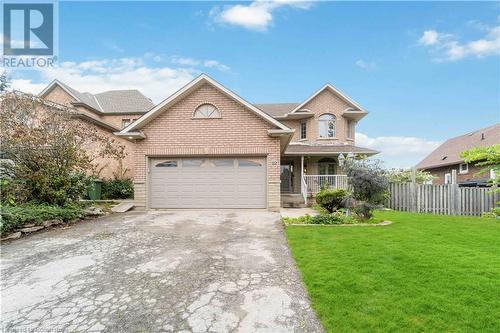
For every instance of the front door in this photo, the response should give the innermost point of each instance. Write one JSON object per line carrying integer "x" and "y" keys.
{"x": 286, "y": 177}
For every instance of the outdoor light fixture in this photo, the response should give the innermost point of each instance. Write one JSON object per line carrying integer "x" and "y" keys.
{"x": 341, "y": 159}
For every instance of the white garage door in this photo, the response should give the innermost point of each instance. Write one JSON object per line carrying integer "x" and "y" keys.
{"x": 224, "y": 182}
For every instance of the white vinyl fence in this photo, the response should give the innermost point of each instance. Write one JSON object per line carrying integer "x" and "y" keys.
{"x": 447, "y": 199}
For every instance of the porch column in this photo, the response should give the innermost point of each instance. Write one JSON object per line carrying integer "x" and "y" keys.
{"x": 301, "y": 171}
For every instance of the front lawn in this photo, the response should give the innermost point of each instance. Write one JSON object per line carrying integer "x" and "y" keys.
{"x": 424, "y": 273}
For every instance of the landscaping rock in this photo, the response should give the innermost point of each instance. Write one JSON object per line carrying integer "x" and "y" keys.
{"x": 31, "y": 229}
{"x": 93, "y": 211}
{"x": 52, "y": 222}
{"x": 29, "y": 225}
{"x": 14, "y": 235}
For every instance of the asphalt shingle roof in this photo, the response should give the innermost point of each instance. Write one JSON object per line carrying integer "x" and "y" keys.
{"x": 449, "y": 152}
{"x": 332, "y": 149}
{"x": 277, "y": 109}
{"x": 113, "y": 101}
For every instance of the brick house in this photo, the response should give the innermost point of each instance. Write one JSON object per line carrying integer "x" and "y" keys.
{"x": 206, "y": 147}
{"x": 446, "y": 158}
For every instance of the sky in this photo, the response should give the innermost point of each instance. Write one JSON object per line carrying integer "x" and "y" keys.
{"x": 425, "y": 71}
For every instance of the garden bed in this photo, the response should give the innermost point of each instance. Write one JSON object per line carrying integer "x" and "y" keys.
{"x": 24, "y": 219}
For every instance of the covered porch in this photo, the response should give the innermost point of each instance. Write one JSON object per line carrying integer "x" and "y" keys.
{"x": 306, "y": 169}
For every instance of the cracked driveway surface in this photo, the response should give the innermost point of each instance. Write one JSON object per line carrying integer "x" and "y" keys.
{"x": 161, "y": 271}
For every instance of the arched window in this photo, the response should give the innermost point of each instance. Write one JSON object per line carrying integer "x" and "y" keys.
{"x": 206, "y": 111}
{"x": 326, "y": 125}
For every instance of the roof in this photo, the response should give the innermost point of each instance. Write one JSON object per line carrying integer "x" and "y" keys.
{"x": 129, "y": 101}
{"x": 277, "y": 109}
{"x": 449, "y": 152}
{"x": 188, "y": 88}
{"x": 108, "y": 102}
{"x": 299, "y": 149}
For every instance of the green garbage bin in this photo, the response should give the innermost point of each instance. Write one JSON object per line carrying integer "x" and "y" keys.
{"x": 94, "y": 190}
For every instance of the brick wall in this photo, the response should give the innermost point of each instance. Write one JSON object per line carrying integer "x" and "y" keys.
{"x": 440, "y": 172}
{"x": 238, "y": 132}
{"x": 108, "y": 166}
{"x": 324, "y": 102}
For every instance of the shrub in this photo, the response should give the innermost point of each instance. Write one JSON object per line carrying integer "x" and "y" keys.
{"x": 494, "y": 213}
{"x": 118, "y": 189}
{"x": 331, "y": 199}
{"x": 338, "y": 217}
{"x": 13, "y": 217}
{"x": 369, "y": 186}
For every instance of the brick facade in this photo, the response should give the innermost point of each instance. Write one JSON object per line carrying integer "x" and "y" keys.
{"x": 109, "y": 167}
{"x": 439, "y": 173}
{"x": 324, "y": 102}
{"x": 238, "y": 132}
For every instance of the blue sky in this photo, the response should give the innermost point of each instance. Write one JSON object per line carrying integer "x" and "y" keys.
{"x": 425, "y": 71}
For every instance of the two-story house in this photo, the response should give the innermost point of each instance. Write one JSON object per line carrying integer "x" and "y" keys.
{"x": 206, "y": 147}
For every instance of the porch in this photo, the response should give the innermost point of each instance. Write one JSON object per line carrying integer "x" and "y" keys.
{"x": 304, "y": 176}
{"x": 305, "y": 169}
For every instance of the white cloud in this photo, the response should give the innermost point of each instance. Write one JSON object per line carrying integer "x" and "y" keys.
{"x": 449, "y": 48}
{"x": 215, "y": 64}
{"x": 429, "y": 37}
{"x": 367, "y": 65}
{"x": 156, "y": 82}
{"x": 256, "y": 16}
{"x": 149, "y": 73}
{"x": 398, "y": 151}
{"x": 185, "y": 61}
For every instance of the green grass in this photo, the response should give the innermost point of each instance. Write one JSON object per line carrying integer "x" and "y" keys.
{"x": 423, "y": 273}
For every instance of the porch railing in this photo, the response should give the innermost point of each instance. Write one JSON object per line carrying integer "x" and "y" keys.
{"x": 314, "y": 183}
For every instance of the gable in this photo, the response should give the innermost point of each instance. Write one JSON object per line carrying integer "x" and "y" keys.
{"x": 58, "y": 95}
{"x": 186, "y": 91}
{"x": 236, "y": 125}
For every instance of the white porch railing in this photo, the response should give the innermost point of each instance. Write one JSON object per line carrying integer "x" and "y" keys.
{"x": 303, "y": 189}
{"x": 314, "y": 183}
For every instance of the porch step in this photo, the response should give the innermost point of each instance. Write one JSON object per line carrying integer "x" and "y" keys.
{"x": 292, "y": 200}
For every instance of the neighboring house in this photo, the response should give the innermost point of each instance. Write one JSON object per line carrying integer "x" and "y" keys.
{"x": 446, "y": 158}
{"x": 206, "y": 147}
{"x": 110, "y": 112}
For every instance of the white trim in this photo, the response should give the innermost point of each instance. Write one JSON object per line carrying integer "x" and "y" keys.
{"x": 462, "y": 172}
{"x": 337, "y": 91}
{"x": 448, "y": 178}
{"x": 56, "y": 82}
{"x": 197, "y": 81}
{"x": 98, "y": 104}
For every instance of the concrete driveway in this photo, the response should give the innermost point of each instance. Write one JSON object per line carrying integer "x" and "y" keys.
{"x": 193, "y": 271}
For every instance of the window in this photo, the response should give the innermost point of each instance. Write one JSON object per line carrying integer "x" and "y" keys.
{"x": 206, "y": 111}
{"x": 464, "y": 168}
{"x": 167, "y": 164}
{"x": 223, "y": 163}
{"x": 350, "y": 129}
{"x": 126, "y": 122}
{"x": 326, "y": 124}
{"x": 327, "y": 166}
{"x": 191, "y": 163}
{"x": 248, "y": 163}
{"x": 303, "y": 130}
{"x": 447, "y": 178}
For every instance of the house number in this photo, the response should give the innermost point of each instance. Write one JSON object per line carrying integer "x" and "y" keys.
{"x": 274, "y": 162}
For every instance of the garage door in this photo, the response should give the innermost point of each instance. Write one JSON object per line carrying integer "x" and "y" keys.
{"x": 208, "y": 182}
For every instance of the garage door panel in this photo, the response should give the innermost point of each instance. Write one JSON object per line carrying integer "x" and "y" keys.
{"x": 208, "y": 182}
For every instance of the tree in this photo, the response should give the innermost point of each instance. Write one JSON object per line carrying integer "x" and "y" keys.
{"x": 4, "y": 82}
{"x": 487, "y": 157}
{"x": 369, "y": 184}
{"x": 49, "y": 151}
{"x": 405, "y": 176}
